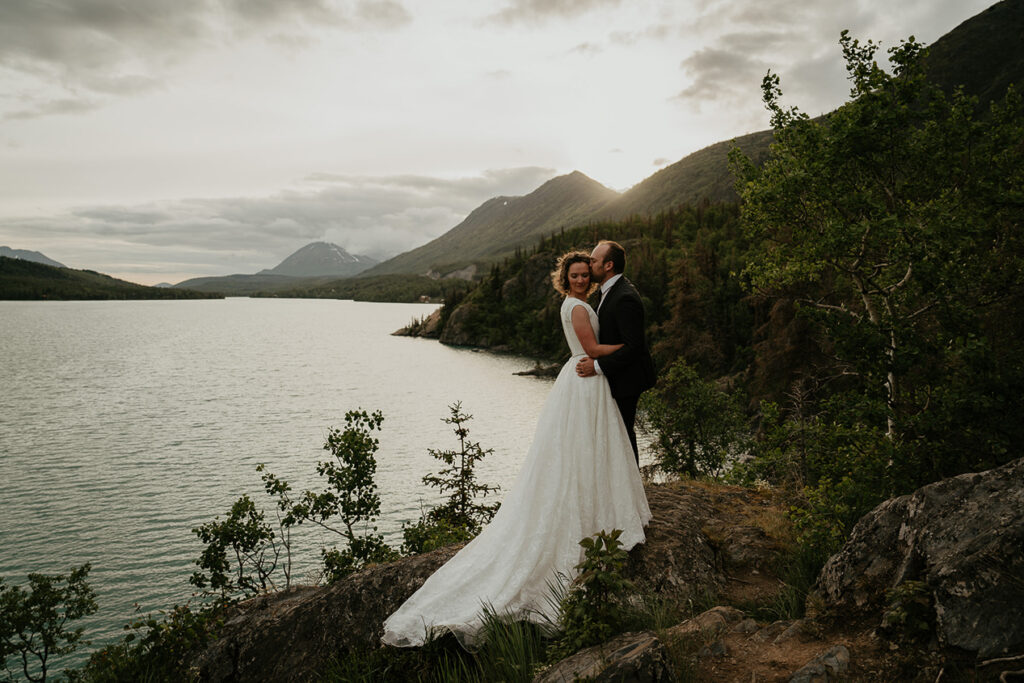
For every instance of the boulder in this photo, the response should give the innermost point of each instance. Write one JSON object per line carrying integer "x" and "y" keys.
{"x": 963, "y": 538}
{"x": 712, "y": 622}
{"x": 456, "y": 330}
{"x": 677, "y": 559}
{"x": 636, "y": 657}
{"x": 828, "y": 666}
{"x": 293, "y": 634}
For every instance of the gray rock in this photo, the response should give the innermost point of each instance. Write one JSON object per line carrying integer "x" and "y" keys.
{"x": 677, "y": 559}
{"x": 827, "y": 666}
{"x": 771, "y": 631}
{"x": 425, "y": 327}
{"x": 792, "y": 631}
{"x": 715, "y": 649}
{"x": 742, "y": 546}
{"x": 713, "y": 621}
{"x": 456, "y": 330}
{"x": 962, "y": 537}
{"x": 292, "y": 635}
{"x": 637, "y": 657}
{"x": 745, "y": 626}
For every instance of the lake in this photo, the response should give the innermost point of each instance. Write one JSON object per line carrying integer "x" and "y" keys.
{"x": 124, "y": 424}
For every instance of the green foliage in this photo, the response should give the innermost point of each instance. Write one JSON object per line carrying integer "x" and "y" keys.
{"x": 909, "y": 611}
{"x": 34, "y": 620}
{"x": 894, "y": 222}
{"x": 363, "y": 549}
{"x": 829, "y": 460}
{"x": 506, "y": 650}
{"x": 460, "y": 476}
{"x": 350, "y": 496}
{"x": 511, "y": 649}
{"x": 593, "y": 609}
{"x": 240, "y": 553}
{"x": 154, "y": 648}
{"x": 699, "y": 429}
{"x": 798, "y": 571}
{"x": 430, "y": 533}
{"x": 460, "y": 517}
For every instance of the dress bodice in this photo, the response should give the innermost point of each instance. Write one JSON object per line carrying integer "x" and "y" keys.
{"x": 575, "y": 347}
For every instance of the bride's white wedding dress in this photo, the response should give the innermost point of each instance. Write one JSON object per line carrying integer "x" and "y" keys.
{"x": 579, "y": 477}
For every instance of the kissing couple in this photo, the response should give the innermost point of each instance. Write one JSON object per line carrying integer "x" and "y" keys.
{"x": 576, "y": 479}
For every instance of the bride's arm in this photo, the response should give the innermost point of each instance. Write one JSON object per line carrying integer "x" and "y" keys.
{"x": 585, "y": 333}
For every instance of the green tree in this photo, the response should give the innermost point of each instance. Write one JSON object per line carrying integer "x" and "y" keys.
{"x": 699, "y": 429}
{"x": 241, "y": 552}
{"x": 460, "y": 517}
{"x": 350, "y": 496}
{"x": 34, "y": 622}
{"x": 895, "y": 223}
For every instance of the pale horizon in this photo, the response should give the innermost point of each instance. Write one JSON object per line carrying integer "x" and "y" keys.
{"x": 159, "y": 141}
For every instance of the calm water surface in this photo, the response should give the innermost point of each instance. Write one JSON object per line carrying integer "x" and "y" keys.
{"x": 125, "y": 424}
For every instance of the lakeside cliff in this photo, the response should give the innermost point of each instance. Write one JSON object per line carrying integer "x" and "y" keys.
{"x": 950, "y": 551}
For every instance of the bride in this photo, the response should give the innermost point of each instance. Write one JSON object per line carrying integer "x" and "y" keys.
{"x": 579, "y": 477}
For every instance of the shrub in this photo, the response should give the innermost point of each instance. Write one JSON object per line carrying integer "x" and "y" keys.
{"x": 460, "y": 517}
{"x": 34, "y": 621}
{"x": 592, "y": 610}
{"x": 698, "y": 428}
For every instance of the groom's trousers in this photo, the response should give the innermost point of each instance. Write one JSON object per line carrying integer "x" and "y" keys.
{"x": 627, "y": 408}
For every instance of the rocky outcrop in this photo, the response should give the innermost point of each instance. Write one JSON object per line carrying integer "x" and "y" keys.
{"x": 541, "y": 370}
{"x": 456, "y": 331}
{"x": 291, "y": 635}
{"x": 427, "y": 327}
{"x": 636, "y": 657}
{"x": 963, "y": 539}
{"x": 677, "y": 557}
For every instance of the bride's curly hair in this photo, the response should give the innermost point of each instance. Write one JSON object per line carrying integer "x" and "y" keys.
{"x": 560, "y": 275}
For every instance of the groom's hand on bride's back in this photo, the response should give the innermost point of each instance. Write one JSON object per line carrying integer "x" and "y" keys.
{"x": 585, "y": 368}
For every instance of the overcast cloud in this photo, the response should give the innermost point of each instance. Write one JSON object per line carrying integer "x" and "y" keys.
{"x": 374, "y": 216}
{"x": 114, "y": 48}
{"x": 371, "y": 123}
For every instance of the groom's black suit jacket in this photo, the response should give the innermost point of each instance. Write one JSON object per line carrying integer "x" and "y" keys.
{"x": 630, "y": 370}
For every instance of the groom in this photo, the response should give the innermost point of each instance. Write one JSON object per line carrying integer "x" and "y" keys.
{"x": 620, "y": 314}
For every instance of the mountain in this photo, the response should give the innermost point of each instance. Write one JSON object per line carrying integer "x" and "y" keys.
{"x": 21, "y": 279}
{"x": 500, "y": 225}
{"x": 321, "y": 258}
{"x": 701, "y": 175}
{"x": 27, "y": 255}
{"x": 983, "y": 54}
{"x": 312, "y": 265}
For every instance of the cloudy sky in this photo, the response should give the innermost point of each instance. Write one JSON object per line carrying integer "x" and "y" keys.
{"x": 157, "y": 140}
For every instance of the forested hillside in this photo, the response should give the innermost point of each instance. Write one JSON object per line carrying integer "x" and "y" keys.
{"x": 853, "y": 328}
{"x": 21, "y": 279}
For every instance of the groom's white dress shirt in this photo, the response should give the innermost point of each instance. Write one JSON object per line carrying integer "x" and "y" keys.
{"x": 605, "y": 286}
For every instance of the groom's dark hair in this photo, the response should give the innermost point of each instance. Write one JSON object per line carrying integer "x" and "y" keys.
{"x": 616, "y": 254}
